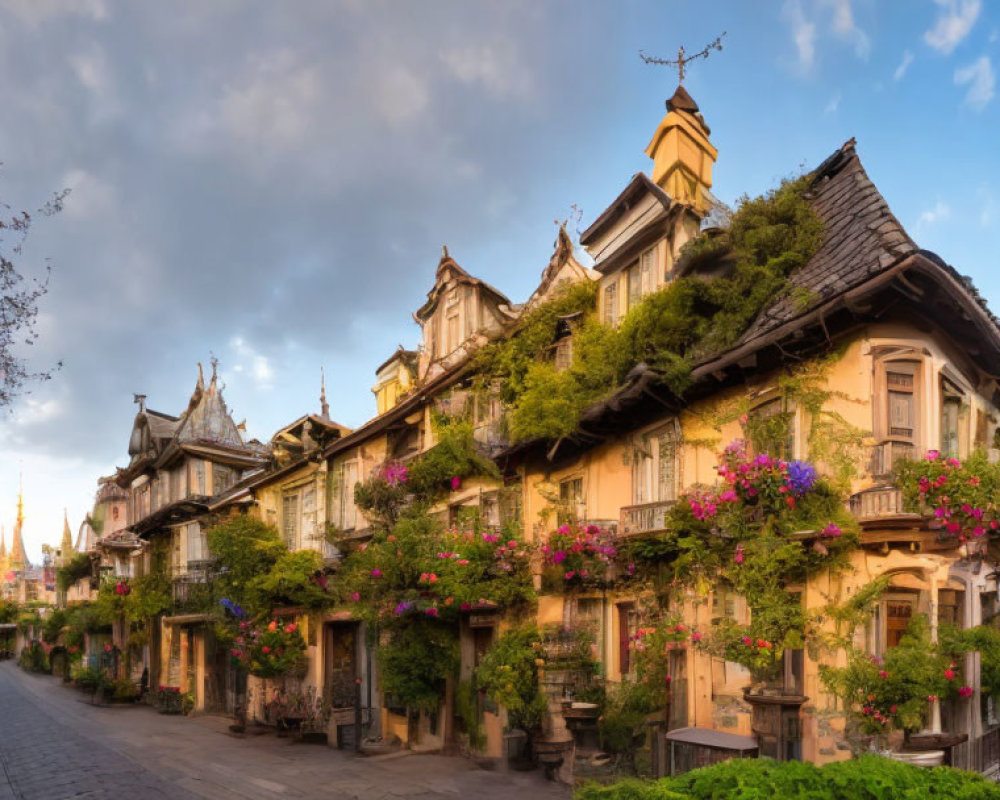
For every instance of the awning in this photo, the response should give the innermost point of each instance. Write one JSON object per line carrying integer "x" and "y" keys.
{"x": 706, "y": 737}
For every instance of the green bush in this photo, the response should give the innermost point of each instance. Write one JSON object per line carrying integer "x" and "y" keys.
{"x": 509, "y": 674}
{"x": 866, "y": 778}
{"x": 34, "y": 658}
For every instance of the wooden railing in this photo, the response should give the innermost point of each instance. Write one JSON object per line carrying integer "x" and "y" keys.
{"x": 880, "y": 502}
{"x": 644, "y": 518}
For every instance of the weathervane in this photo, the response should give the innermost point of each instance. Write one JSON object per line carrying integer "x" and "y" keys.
{"x": 682, "y": 61}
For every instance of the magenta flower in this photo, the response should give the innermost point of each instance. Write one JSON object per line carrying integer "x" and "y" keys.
{"x": 696, "y": 636}
{"x": 558, "y": 557}
{"x": 932, "y": 455}
{"x": 376, "y": 573}
{"x": 832, "y": 531}
{"x": 356, "y": 596}
{"x": 738, "y": 558}
{"x": 431, "y": 612}
{"x": 456, "y": 483}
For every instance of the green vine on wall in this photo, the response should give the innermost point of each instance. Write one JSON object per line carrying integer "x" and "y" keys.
{"x": 691, "y": 317}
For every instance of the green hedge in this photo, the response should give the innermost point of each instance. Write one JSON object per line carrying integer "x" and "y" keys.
{"x": 867, "y": 778}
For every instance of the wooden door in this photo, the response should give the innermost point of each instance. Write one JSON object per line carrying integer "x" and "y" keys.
{"x": 898, "y": 613}
{"x": 340, "y": 663}
{"x": 678, "y": 690}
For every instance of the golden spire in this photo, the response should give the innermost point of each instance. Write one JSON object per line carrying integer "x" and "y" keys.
{"x": 66, "y": 546}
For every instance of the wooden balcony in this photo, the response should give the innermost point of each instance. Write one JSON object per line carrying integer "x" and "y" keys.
{"x": 879, "y": 503}
{"x": 644, "y": 518}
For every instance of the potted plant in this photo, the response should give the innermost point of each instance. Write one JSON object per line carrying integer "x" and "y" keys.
{"x": 169, "y": 700}
{"x": 895, "y": 693}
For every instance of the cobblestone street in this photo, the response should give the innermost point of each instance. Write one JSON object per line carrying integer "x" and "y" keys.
{"x": 54, "y": 746}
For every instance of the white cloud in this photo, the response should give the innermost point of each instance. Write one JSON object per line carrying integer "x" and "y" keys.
{"x": 803, "y": 33}
{"x": 833, "y": 105}
{"x": 981, "y": 80}
{"x": 274, "y": 105}
{"x": 953, "y": 24}
{"x": 398, "y": 95}
{"x": 251, "y": 363}
{"x": 932, "y": 216}
{"x": 845, "y": 27}
{"x": 91, "y": 197}
{"x": 34, "y": 12}
{"x": 496, "y": 66}
{"x": 904, "y": 65}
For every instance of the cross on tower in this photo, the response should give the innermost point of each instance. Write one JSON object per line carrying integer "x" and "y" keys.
{"x": 682, "y": 61}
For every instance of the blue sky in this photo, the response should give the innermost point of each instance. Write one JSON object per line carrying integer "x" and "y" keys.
{"x": 271, "y": 183}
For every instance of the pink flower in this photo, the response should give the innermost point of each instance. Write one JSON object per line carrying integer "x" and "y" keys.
{"x": 462, "y": 561}
{"x": 738, "y": 558}
{"x": 832, "y": 531}
{"x": 569, "y": 575}
{"x": 456, "y": 483}
{"x": 949, "y": 674}
{"x": 932, "y": 698}
{"x": 932, "y": 455}
{"x": 667, "y": 679}
{"x": 291, "y": 628}
{"x": 465, "y": 606}
{"x": 564, "y": 530}
{"x": 696, "y": 636}
{"x": 376, "y": 573}
{"x": 355, "y": 596}
{"x": 883, "y": 674}
{"x": 747, "y": 641}
{"x": 431, "y": 612}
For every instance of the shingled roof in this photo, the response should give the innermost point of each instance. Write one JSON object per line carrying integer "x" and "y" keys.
{"x": 862, "y": 238}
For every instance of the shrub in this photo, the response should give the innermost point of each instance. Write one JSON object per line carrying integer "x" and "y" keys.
{"x": 867, "y": 778}
{"x": 33, "y": 658}
{"x": 509, "y": 675}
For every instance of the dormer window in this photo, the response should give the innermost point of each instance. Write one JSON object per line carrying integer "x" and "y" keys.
{"x": 611, "y": 304}
{"x": 641, "y": 277}
{"x": 897, "y": 409}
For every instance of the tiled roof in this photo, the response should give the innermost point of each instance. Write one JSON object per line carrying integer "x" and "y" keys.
{"x": 862, "y": 239}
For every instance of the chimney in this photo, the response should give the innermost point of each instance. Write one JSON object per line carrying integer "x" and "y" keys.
{"x": 682, "y": 154}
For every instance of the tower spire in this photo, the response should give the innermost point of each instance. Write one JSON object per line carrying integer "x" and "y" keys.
{"x": 66, "y": 546}
{"x": 18, "y": 557}
{"x": 324, "y": 406}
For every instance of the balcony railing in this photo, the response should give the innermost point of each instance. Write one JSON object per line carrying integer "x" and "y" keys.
{"x": 644, "y": 518}
{"x": 880, "y": 502}
{"x": 886, "y": 456}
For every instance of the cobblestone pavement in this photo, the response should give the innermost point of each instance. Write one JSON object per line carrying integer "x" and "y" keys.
{"x": 55, "y": 746}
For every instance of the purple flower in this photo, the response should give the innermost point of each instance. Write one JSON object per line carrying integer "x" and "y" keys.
{"x": 403, "y": 607}
{"x": 395, "y": 473}
{"x": 801, "y": 476}
{"x": 832, "y": 530}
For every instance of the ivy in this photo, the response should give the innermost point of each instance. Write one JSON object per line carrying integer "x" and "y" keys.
{"x": 690, "y": 318}
{"x": 77, "y": 568}
{"x": 415, "y": 661}
{"x": 508, "y": 673}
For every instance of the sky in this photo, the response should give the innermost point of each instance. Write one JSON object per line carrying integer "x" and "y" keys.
{"x": 271, "y": 183}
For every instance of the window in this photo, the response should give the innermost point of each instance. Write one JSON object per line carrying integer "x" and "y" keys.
{"x": 196, "y": 479}
{"x": 307, "y": 525}
{"x": 347, "y": 512}
{"x": 655, "y": 468}
{"x": 771, "y": 428}
{"x": 564, "y": 353}
{"x": 178, "y": 483}
{"x": 573, "y": 507}
{"x": 634, "y": 286}
{"x": 611, "y": 304}
{"x": 222, "y": 478}
{"x": 951, "y": 411}
{"x": 897, "y": 410}
{"x": 197, "y": 547}
{"x": 290, "y": 520}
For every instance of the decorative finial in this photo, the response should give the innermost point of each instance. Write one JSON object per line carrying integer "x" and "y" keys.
{"x": 444, "y": 251}
{"x": 682, "y": 61}
{"x": 324, "y": 406}
{"x": 141, "y": 400}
